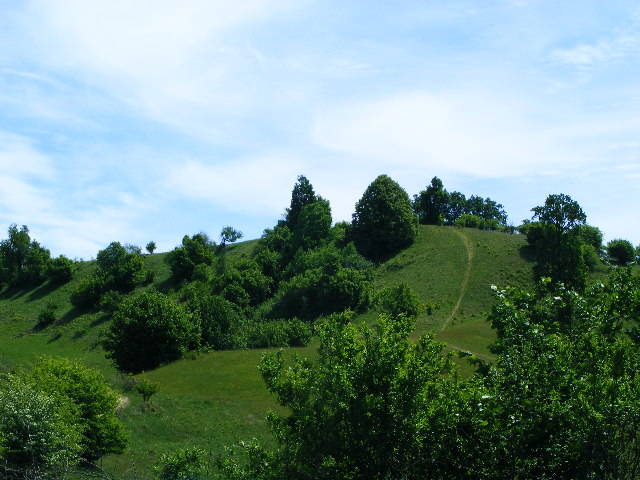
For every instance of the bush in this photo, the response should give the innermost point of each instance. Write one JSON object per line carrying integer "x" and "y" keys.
{"x": 400, "y": 300}
{"x": 195, "y": 250}
{"x": 621, "y": 251}
{"x": 102, "y": 432}
{"x": 48, "y": 315}
{"x": 149, "y": 330}
{"x": 110, "y": 301}
{"x": 219, "y": 320}
{"x": 121, "y": 267}
{"x": 279, "y": 333}
{"x": 320, "y": 292}
{"x": 184, "y": 464}
{"x": 147, "y": 389}
{"x": 590, "y": 257}
{"x": 469, "y": 221}
{"x": 88, "y": 292}
{"x": 61, "y": 269}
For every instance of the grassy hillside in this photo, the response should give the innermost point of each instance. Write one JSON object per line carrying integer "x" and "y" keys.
{"x": 213, "y": 399}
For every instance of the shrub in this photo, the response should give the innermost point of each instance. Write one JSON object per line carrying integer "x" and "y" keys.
{"x": 61, "y": 269}
{"x": 620, "y": 251}
{"x": 48, "y": 315}
{"x": 219, "y": 320}
{"x": 279, "y": 333}
{"x": 96, "y": 402}
{"x": 184, "y": 464}
{"x": 469, "y": 221}
{"x": 195, "y": 250}
{"x": 400, "y": 300}
{"x": 110, "y": 301}
{"x": 147, "y": 389}
{"x": 88, "y": 293}
{"x": 149, "y": 330}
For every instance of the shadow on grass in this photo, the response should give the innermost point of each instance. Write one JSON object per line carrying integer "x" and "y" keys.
{"x": 100, "y": 319}
{"x": 528, "y": 253}
{"x": 42, "y": 291}
{"x": 57, "y": 336}
{"x": 12, "y": 293}
{"x": 72, "y": 314}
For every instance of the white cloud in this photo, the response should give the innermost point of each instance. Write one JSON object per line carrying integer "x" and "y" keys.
{"x": 456, "y": 132}
{"x": 171, "y": 61}
{"x": 19, "y": 158}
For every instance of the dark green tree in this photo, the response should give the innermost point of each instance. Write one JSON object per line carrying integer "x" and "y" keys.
{"x": 151, "y": 247}
{"x": 620, "y": 251}
{"x": 555, "y": 237}
{"x": 384, "y": 222}
{"x": 432, "y": 205}
{"x": 313, "y": 226}
{"x": 195, "y": 250}
{"x": 591, "y": 236}
{"x": 121, "y": 267}
{"x": 229, "y": 235}
{"x": 23, "y": 262}
{"x": 148, "y": 330}
{"x": 301, "y": 195}
{"x": 400, "y": 300}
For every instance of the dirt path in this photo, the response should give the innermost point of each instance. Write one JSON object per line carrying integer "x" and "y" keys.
{"x": 465, "y": 280}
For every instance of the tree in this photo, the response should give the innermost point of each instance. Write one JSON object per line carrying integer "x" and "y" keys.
{"x": 560, "y": 211}
{"x": 148, "y": 330}
{"x": 122, "y": 267}
{"x": 432, "y": 205}
{"x": 313, "y": 225}
{"x": 301, "y": 195}
{"x": 102, "y": 432}
{"x": 195, "y": 250}
{"x": 383, "y": 222}
{"x": 147, "y": 389}
{"x": 229, "y": 235}
{"x": 591, "y": 236}
{"x": 151, "y": 247}
{"x": 621, "y": 251}
{"x": 61, "y": 269}
{"x": 23, "y": 262}
{"x": 555, "y": 236}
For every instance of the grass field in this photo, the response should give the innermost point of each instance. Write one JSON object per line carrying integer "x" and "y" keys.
{"x": 213, "y": 399}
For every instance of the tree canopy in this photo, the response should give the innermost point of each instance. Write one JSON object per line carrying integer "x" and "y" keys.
{"x": 383, "y": 222}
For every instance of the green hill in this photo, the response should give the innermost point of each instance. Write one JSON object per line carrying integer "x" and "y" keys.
{"x": 213, "y": 399}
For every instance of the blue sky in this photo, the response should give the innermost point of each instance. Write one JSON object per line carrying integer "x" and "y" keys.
{"x": 147, "y": 120}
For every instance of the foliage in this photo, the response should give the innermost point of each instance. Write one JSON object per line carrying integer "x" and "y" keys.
{"x": 147, "y": 389}
{"x": 38, "y": 429}
{"x": 431, "y": 204}
{"x": 229, "y": 235}
{"x": 102, "y": 432}
{"x": 399, "y": 300}
{"x": 555, "y": 236}
{"x": 88, "y": 292}
{"x": 436, "y": 206}
{"x": 383, "y": 222}
{"x": 590, "y": 257}
{"x": 60, "y": 269}
{"x": 244, "y": 283}
{"x": 313, "y": 225}
{"x": 358, "y": 412}
{"x": 321, "y": 291}
{"x": 122, "y": 267}
{"x": 148, "y": 330}
{"x": 195, "y": 250}
{"x": 220, "y": 321}
{"x": 561, "y": 212}
{"x": 279, "y": 333}
{"x": 151, "y": 247}
{"x": 184, "y": 464}
{"x": 48, "y": 315}
{"x": 591, "y": 235}
{"x": 301, "y": 195}
{"x": 621, "y": 251}
{"x": 23, "y": 262}
{"x": 561, "y": 400}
